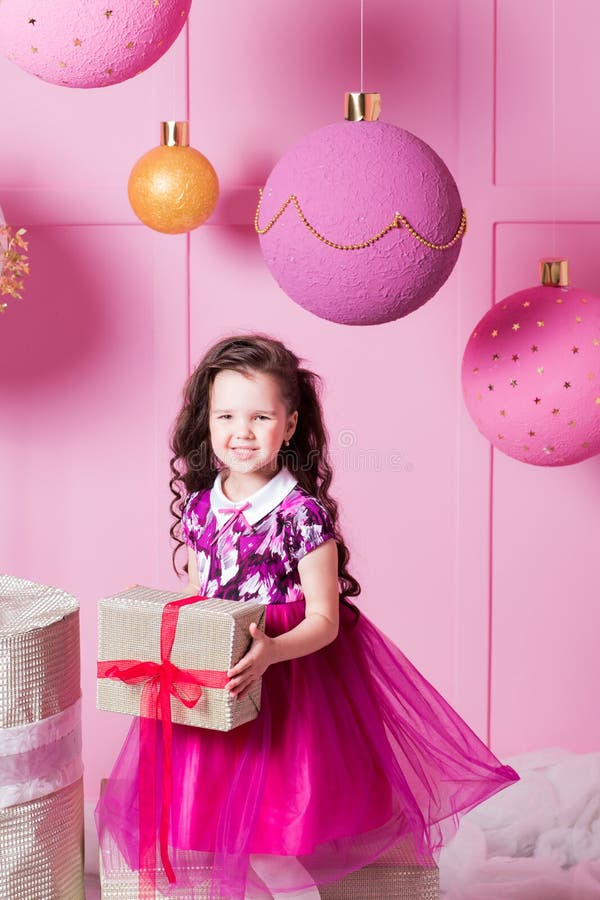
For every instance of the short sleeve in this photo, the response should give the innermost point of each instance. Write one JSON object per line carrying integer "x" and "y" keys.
{"x": 309, "y": 527}
{"x": 189, "y": 520}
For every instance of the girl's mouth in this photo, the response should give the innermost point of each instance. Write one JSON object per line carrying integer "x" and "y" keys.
{"x": 243, "y": 452}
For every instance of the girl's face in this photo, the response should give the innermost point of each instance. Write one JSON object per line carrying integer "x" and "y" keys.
{"x": 248, "y": 421}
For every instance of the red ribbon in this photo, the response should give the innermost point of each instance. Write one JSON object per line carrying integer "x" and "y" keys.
{"x": 160, "y": 682}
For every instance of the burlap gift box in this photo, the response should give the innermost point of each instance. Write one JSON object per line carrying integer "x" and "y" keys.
{"x": 211, "y": 635}
{"x": 41, "y": 793}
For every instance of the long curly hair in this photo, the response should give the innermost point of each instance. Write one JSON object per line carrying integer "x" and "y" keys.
{"x": 194, "y": 465}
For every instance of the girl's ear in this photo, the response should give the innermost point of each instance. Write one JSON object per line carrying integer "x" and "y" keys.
{"x": 293, "y": 421}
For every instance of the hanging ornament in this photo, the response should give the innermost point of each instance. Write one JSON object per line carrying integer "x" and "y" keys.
{"x": 361, "y": 222}
{"x": 173, "y": 188}
{"x": 14, "y": 264}
{"x": 87, "y": 44}
{"x": 531, "y": 372}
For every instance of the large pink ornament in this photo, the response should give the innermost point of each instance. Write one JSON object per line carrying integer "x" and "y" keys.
{"x": 86, "y": 43}
{"x": 531, "y": 372}
{"x": 361, "y": 222}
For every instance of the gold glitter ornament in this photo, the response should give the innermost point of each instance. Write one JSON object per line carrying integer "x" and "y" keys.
{"x": 173, "y": 188}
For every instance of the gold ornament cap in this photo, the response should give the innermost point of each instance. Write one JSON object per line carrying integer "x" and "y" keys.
{"x": 361, "y": 106}
{"x": 554, "y": 272}
{"x": 174, "y": 134}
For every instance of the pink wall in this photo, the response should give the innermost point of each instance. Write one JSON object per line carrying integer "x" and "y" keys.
{"x": 483, "y": 570}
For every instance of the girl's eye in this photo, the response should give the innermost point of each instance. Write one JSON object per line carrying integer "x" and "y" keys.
{"x": 263, "y": 417}
{"x": 225, "y": 416}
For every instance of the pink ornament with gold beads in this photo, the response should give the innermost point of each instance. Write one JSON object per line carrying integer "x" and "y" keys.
{"x": 531, "y": 372}
{"x": 86, "y": 43}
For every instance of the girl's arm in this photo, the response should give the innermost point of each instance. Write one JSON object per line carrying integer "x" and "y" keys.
{"x": 193, "y": 586}
{"x": 318, "y": 572}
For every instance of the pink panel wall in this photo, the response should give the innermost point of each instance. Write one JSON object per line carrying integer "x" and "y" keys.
{"x": 450, "y": 542}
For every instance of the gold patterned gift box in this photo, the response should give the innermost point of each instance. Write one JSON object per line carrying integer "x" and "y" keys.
{"x": 142, "y": 630}
{"x": 41, "y": 793}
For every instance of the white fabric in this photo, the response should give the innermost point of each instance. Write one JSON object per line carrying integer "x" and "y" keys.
{"x": 40, "y": 758}
{"x": 538, "y": 838}
{"x": 261, "y": 501}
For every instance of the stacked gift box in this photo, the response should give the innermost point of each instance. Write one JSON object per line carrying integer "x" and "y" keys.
{"x": 41, "y": 790}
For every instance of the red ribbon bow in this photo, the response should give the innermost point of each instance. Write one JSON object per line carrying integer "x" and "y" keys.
{"x": 160, "y": 682}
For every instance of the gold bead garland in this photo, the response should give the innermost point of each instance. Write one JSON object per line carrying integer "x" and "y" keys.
{"x": 397, "y": 221}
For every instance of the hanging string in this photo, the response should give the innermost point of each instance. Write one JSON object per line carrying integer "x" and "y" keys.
{"x": 554, "y": 54}
{"x": 362, "y": 44}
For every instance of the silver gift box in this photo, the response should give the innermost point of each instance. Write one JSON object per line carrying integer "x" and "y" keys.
{"x": 212, "y": 635}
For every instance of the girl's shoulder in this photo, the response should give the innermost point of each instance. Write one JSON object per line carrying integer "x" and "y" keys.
{"x": 194, "y": 513}
{"x": 306, "y": 520}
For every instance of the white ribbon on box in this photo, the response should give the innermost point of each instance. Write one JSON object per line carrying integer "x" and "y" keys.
{"x": 40, "y": 758}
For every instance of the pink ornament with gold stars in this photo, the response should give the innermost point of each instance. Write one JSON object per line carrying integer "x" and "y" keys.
{"x": 531, "y": 372}
{"x": 87, "y": 43}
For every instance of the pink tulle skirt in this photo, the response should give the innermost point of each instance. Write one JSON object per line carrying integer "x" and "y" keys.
{"x": 353, "y": 752}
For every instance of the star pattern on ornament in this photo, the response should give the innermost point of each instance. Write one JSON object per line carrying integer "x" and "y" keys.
{"x": 597, "y": 399}
{"x": 540, "y": 323}
{"x": 474, "y": 335}
{"x": 532, "y": 434}
{"x": 525, "y": 447}
{"x": 534, "y": 348}
{"x": 495, "y": 333}
{"x": 155, "y": 3}
{"x": 548, "y": 449}
{"x": 583, "y": 300}
{"x": 108, "y": 13}
{"x": 496, "y": 357}
{"x": 490, "y": 387}
{"x": 515, "y": 357}
{"x": 574, "y": 349}
{"x": 62, "y": 64}
{"x": 77, "y": 42}
{"x": 500, "y": 437}
{"x": 572, "y": 423}
{"x": 515, "y": 326}
{"x": 514, "y": 382}
{"x": 526, "y": 304}
{"x": 567, "y": 385}
{"x": 540, "y": 370}
{"x": 555, "y": 411}
{"x": 502, "y": 412}
{"x": 476, "y": 371}
{"x": 590, "y": 375}
{"x": 479, "y": 397}
{"x": 595, "y": 342}
{"x": 32, "y": 21}
{"x": 537, "y": 400}
{"x": 34, "y": 49}
{"x": 559, "y": 300}
{"x": 108, "y": 71}
{"x": 578, "y": 319}
{"x": 505, "y": 306}
{"x": 130, "y": 45}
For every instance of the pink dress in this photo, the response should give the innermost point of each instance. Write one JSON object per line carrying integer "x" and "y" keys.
{"x": 353, "y": 752}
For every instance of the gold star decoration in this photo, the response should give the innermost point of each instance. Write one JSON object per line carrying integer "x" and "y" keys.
{"x": 474, "y": 335}
{"x": 516, "y": 326}
{"x": 540, "y": 323}
{"x": 479, "y": 397}
{"x": 525, "y": 447}
{"x": 537, "y": 400}
{"x": 584, "y": 300}
{"x": 515, "y": 357}
{"x": 34, "y": 49}
{"x": 597, "y": 399}
{"x": 155, "y": 3}
{"x": 495, "y": 333}
{"x": 526, "y": 304}
{"x": 500, "y": 437}
{"x": 559, "y": 300}
{"x": 534, "y": 348}
{"x": 502, "y": 412}
{"x": 590, "y": 375}
{"x": 578, "y": 319}
{"x": 540, "y": 370}
{"x": 574, "y": 349}
{"x": 108, "y": 13}
{"x": 513, "y": 382}
{"x": 532, "y": 434}
{"x": 495, "y": 357}
{"x": 130, "y": 45}
{"x": 108, "y": 71}
{"x": 567, "y": 384}
{"x": 586, "y": 444}
{"x": 490, "y": 387}
{"x": 555, "y": 411}
{"x": 77, "y": 42}
{"x": 548, "y": 449}
{"x": 505, "y": 306}
{"x": 475, "y": 371}
{"x": 572, "y": 423}
{"x": 62, "y": 64}
{"x": 32, "y": 21}
{"x": 595, "y": 342}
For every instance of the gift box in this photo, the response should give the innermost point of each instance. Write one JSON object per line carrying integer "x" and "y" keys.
{"x": 207, "y": 638}
{"x": 41, "y": 793}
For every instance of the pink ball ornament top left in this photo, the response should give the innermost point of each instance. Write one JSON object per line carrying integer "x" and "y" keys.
{"x": 87, "y": 43}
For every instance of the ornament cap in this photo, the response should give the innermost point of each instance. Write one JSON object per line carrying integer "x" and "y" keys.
{"x": 554, "y": 272}
{"x": 360, "y": 106}
{"x": 174, "y": 134}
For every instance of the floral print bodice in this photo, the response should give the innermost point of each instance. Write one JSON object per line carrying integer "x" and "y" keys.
{"x": 250, "y": 550}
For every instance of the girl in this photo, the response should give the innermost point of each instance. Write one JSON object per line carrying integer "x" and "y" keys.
{"x": 353, "y": 751}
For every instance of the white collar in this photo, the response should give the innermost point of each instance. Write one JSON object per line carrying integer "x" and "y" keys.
{"x": 261, "y": 501}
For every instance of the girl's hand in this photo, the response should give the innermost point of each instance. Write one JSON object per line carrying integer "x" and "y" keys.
{"x": 253, "y": 665}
